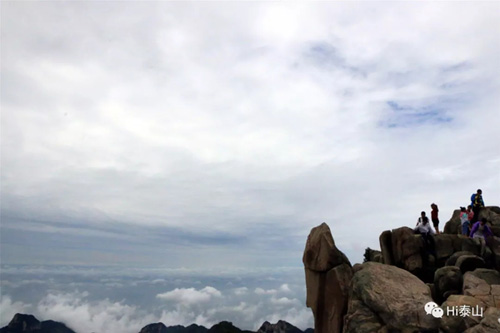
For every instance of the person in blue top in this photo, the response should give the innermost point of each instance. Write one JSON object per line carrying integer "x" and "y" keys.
{"x": 480, "y": 233}
{"x": 477, "y": 203}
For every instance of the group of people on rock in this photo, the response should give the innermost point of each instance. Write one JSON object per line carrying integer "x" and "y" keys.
{"x": 471, "y": 226}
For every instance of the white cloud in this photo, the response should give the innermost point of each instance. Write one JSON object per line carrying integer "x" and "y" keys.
{"x": 10, "y": 308}
{"x": 190, "y": 296}
{"x": 78, "y": 313}
{"x": 283, "y": 301}
{"x": 285, "y": 288}
{"x": 241, "y": 291}
{"x": 260, "y": 291}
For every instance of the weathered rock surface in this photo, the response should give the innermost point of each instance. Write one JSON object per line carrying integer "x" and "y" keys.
{"x": 483, "y": 284}
{"x": 321, "y": 254}
{"x": 393, "y": 295}
{"x": 447, "y": 279}
{"x": 489, "y": 324}
{"x": 452, "y": 321}
{"x": 385, "y": 240}
{"x": 328, "y": 274}
{"x": 360, "y": 319}
{"x": 407, "y": 249}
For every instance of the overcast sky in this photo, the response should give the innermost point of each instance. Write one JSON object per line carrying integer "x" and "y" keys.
{"x": 214, "y": 136}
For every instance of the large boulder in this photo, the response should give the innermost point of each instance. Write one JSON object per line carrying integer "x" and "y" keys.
{"x": 489, "y": 324}
{"x": 492, "y": 214}
{"x": 494, "y": 245}
{"x": 407, "y": 249}
{"x": 447, "y": 280}
{"x": 396, "y": 297}
{"x": 453, "y": 225}
{"x": 444, "y": 246}
{"x": 453, "y": 321}
{"x": 360, "y": 319}
{"x": 328, "y": 274}
{"x": 469, "y": 245}
{"x": 321, "y": 254}
{"x": 483, "y": 284}
{"x": 385, "y": 240}
{"x": 469, "y": 263}
{"x": 451, "y": 261}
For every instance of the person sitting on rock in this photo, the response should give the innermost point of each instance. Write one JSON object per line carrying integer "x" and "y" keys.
{"x": 464, "y": 221}
{"x": 477, "y": 203}
{"x": 424, "y": 228}
{"x": 480, "y": 232}
{"x": 434, "y": 217}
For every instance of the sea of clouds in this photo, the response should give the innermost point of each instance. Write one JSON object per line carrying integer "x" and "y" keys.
{"x": 104, "y": 299}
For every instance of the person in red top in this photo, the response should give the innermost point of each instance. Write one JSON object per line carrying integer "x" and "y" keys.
{"x": 434, "y": 217}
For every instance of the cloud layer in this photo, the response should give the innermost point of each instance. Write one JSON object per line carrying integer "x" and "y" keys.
{"x": 125, "y": 301}
{"x": 207, "y": 135}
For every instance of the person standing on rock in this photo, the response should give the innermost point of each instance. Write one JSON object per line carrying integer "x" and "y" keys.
{"x": 480, "y": 232}
{"x": 424, "y": 228}
{"x": 464, "y": 221}
{"x": 477, "y": 203}
{"x": 434, "y": 217}
{"x": 470, "y": 214}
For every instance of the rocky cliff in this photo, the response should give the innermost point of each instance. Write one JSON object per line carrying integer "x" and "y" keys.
{"x": 402, "y": 288}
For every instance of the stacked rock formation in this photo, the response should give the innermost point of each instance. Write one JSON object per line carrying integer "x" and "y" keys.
{"x": 328, "y": 275}
{"x": 388, "y": 292}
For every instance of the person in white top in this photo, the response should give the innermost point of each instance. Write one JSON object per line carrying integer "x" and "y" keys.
{"x": 424, "y": 228}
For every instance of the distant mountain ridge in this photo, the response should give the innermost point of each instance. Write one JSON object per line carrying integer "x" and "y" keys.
{"x": 26, "y": 323}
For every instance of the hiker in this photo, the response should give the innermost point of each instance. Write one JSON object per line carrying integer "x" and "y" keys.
{"x": 424, "y": 228}
{"x": 434, "y": 217}
{"x": 480, "y": 232}
{"x": 477, "y": 203}
{"x": 464, "y": 221}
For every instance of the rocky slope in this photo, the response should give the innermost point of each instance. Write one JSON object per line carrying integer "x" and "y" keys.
{"x": 392, "y": 290}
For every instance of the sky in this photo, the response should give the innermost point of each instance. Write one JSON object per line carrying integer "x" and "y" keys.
{"x": 210, "y": 137}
